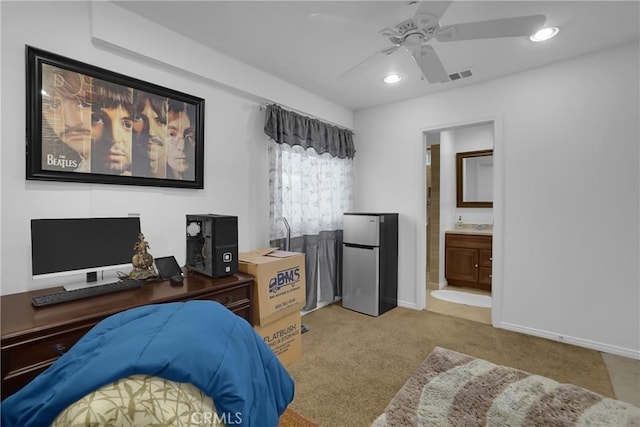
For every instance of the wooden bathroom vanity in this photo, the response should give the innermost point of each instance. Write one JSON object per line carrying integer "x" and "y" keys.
{"x": 468, "y": 259}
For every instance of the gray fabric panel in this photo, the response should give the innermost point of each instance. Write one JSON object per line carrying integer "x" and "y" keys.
{"x": 330, "y": 267}
{"x": 323, "y": 258}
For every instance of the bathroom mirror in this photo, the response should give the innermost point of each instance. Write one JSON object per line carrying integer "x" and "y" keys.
{"x": 474, "y": 179}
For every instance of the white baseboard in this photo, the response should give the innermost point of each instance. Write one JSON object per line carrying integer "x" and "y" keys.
{"x": 406, "y": 304}
{"x": 594, "y": 345}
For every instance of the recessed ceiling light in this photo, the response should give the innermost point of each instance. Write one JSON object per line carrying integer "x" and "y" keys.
{"x": 544, "y": 34}
{"x": 392, "y": 78}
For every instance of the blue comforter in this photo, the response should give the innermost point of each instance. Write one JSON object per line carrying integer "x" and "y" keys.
{"x": 200, "y": 342}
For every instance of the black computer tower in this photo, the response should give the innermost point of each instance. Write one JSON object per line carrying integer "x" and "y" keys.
{"x": 212, "y": 244}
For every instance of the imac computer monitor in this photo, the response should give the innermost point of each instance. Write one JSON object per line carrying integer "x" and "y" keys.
{"x": 82, "y": 245}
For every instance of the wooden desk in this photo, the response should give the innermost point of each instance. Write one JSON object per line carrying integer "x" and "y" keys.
{"x": 34, "y": 337}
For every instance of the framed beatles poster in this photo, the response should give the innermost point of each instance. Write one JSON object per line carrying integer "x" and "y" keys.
{"x": 87, "y": 124}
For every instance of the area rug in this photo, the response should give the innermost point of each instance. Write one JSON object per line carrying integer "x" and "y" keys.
{"x": 453, "y": 389}
{"x": 291, "y": 418}
{"x": 467, "y": 298}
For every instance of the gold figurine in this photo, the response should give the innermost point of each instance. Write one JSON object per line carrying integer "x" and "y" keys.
{"x": 142, "y": 261}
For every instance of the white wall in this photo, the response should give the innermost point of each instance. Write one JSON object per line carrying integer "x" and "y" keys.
{"x": 567, "y": 207}
{"x": 1, "y": 238}
{"x": 236, "y": 170}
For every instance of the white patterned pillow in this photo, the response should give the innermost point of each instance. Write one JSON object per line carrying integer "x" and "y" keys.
{"x": 141, "y": 400}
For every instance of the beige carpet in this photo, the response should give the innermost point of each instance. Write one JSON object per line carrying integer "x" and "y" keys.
{"x": 453, "y": 389}
{"x": 352, "y": 364}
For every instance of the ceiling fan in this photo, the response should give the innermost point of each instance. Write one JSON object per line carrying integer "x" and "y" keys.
{"x": 415, "y": 33}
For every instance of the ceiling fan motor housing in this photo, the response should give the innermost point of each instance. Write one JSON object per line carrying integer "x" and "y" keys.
{"x": 423, "y": 25}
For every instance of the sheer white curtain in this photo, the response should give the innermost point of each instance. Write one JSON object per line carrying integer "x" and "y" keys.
{"x": 311, "y": 191}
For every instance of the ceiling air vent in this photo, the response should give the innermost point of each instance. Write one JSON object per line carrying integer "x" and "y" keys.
{"x": 461, "y": 75}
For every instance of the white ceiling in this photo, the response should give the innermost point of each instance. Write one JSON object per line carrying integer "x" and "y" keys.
{"x": 316, "y": 44}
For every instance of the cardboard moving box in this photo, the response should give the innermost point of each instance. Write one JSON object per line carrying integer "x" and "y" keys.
{"x": 284, "y": 337}
{"x": 280, "y": 283}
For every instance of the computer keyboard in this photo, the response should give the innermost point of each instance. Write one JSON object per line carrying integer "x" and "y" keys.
{"x": 64, "y": 296}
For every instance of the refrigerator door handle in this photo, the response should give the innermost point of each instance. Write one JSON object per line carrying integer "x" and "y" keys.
{"x": 353, "y": 245}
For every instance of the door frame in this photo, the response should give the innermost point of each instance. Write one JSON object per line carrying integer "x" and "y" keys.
{"x": 498, "y": 211}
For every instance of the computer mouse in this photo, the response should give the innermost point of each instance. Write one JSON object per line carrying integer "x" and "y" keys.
{"x": 176, "y": 280}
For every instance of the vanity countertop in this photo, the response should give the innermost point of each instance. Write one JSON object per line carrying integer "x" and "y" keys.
{"x": 482, "y": 229}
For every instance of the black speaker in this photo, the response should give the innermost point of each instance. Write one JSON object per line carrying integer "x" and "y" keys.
{"x": 212, "y": 244}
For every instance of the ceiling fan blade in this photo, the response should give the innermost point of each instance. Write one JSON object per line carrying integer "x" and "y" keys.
{"x": 390, "y": 50}
{"x": 430, "y": 64}
{"x": 338, "y": 22}
{"x": 385, "y": 51}
{"x": 434, "y": 8}
{"x": 507, "y": 27}
{"x": 389, "y": 32}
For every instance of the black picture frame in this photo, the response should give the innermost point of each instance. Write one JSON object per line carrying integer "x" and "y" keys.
{"x": 87, "y": 124}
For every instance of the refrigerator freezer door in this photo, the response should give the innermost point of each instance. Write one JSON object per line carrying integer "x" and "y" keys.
{"x": 361, "y": 229}
{"x": 360, "y": 279}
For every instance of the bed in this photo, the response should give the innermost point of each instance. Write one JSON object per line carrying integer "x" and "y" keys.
{"x": 172, "y": 364}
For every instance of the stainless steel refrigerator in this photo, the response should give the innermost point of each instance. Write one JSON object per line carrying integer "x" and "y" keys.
{"x": 370, "y": 262}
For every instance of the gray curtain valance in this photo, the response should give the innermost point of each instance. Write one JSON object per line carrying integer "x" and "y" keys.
{"x": 287, "y": 127}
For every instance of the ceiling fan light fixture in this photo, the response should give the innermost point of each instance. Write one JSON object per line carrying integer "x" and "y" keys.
{"x": 544, "y": 34}
{"x": 392, "y": 78}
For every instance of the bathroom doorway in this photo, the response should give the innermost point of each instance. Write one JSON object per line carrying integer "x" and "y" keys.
{"x": 442, "y": 214}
